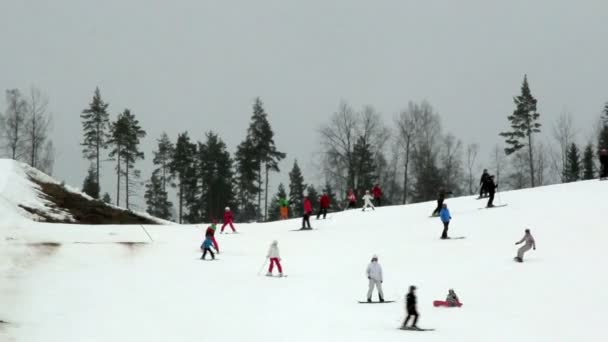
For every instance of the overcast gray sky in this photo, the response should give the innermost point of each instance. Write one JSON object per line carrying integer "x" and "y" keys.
{"x": 197, "y": 65}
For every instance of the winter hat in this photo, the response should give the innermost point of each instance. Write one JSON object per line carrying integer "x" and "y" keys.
{"x": 227, "y": 208}
{"x": 374, "y": 257}
{"x": 412, "y": 288}
{"x": 275, "y": 242}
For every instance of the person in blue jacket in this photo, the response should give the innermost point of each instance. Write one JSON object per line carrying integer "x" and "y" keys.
{"x": 445, "y": 216}
{"x": 206, "y": 247}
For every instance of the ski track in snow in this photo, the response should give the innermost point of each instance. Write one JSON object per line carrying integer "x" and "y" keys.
{"x": 106, "y": 291}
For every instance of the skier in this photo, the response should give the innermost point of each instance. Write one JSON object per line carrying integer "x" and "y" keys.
{"x": 284, "y": 208}
{"x": 228, "y": 220}
{"x": 445, "y": 218}
{"x": 377, "y": 192}
{"x": 410, "y": 300}
{"x": 210, "y": 233}
{"x": 452, "y": 298}
{"x": 440, "y": 199}
{"x": 367, "y": 201}
{"x": 374, "y": 275}
{"x": 604, "y": 163}
{"x": 352, "y": 199}
{"x": 529, "y": 243}
{"x": 206, "y": 247}
{"x": 483, "y": 191}
{"x": 275, "y": 258}
{"x": 491, "y": 189}
{"x": 307, "y": 213}
{"x": 323, "y": 205}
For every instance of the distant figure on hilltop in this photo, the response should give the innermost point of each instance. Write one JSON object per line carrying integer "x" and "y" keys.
{"x": 323, "y": 205}
{"x": 377, "y": 192}
{"x": 374, "y": 275}
{"x": 483, "y": 192}
{"x": 352, "y": 199}
{"x": 491, "y": 189}
{"x": 284, "y": 208}
{"x": 604, "y": 163}
{"x": 228, "y": 220}
{"x": 440, "y": 199}
{"x": 367, "y": 201}
{"x": 529, "y": 243}
{"x": 307, "y": 213}
{"x": 445, "y": 216}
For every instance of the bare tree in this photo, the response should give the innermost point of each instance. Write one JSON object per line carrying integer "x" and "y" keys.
{"x": 451, "y": 159}
{"x": 471, "y": 159}
{"x": 47, "y": 159}
{"x": 405, "y": 125}
{"x": 14, "y": 124}
{"x": 498, "y": 159}
{"x": 36, "y": 126}
{"x": 564, "y": 134}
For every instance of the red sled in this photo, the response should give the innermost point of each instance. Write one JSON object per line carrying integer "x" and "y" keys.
{"x": 443, "y": 303}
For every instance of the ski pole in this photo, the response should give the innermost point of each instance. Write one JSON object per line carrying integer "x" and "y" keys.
{"x": 262, "y": 267}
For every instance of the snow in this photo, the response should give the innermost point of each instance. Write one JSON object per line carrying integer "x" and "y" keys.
{"x": 160, "y": 291}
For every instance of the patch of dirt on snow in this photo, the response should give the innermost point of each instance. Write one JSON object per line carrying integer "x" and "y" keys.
{"x": 82, "y": 209}
{"x": 45, "y": 248}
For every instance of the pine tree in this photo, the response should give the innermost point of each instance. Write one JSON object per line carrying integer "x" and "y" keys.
{"x": 427, "y": 176}
{"x": 162, "y": 158}
{"x": 333, "y": 204}
{"x": 573, "y": 164}
{"x": 296, "y": 190}
{"x": 106, "y": 198}
{"x": 95, "y": 125}
{"x": 524, "y": 123}
{"x": 313, "y": 196}
{"x": 90, "y": 186}
{"x": 588, "y": 163}
{"x": 215, "y": 166}
{"x": 364, "y": 165}
{"x": 157, "y": 201}
{"x": 603, "y": 136}
{"x": 274, "y": 212}
{"x": 246, "y": 176}
{"x": 182, "y": 167}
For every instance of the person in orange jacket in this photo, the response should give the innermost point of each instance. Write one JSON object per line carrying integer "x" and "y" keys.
{"x": 307, "y": 213}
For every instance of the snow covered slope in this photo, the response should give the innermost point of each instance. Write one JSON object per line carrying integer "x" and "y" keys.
{"x": 103, "y": 290}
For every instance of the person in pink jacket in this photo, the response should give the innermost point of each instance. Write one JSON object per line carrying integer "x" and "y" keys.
{"x": 307, "y": 213}
{"x": 228, "y": 220}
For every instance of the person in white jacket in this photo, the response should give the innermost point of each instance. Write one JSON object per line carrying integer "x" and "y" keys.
{"x": 374, "y": 275}
{"x": 367, "y": 201}
{"x": 275, "y": 258}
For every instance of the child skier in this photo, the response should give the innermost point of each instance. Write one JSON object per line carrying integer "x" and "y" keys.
{"x": 445, "y": 218}
{"x": 410, "y": 306}
{"x": 228, "y": 220}
{"x": 275, "y": 258}
{"x": 284, "y": 208}
{"x": 323, "y": 205}
{"x": 307, "y": 213}
{"x": 374, "y": 275}
{"x": 367, "y": 201}
{"x": 210, "y": 233}
{"x": 352, "y": 199}
{"x": 377, "y": 192}
{"x": 529, "y": 243}
{"x": 206, "y": 247}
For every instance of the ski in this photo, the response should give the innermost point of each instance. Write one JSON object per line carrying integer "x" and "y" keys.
{"x": 454, "y": 238}
{"x": 415, "y": 329}
{"x": 277, "y": 276}
{"x": 302, "y": 229}
{"x": 385, "y": 302}
{"x": 496, "y": 206}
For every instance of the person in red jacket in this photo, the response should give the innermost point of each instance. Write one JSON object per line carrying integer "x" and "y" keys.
{"x": 352, "y": 199}
{"x": 228, "y": 220}
{"x": 377, "y": 193}
{"x": 323, "y": 205}
{"x": 210, "y": 233}
{"x": 307, "y": 213}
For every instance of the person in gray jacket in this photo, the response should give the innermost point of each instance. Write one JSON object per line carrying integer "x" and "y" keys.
{"x": 529, "y": 243}
{"x": 374, "y": 275}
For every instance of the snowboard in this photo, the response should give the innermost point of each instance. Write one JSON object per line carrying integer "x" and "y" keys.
{"x": 516, "y": 259}
{"x": 302, "y": 230}
{"x": 438, "y": 303}
{"x": 454, "y": 238}
{"x": 415, "y": 329}
{"x": 385, "y": 302}
{"x": 216, "y": 259}
{"x": 496, "y": 206}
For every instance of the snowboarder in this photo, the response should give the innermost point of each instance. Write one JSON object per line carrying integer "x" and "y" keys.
{"x": 307, "y": 213}
{"x": 452, "y": 298}
{"x": 206, "y": 247}
{"x": 275, "y": 258}
{"x": 491, "y": 189}
{"x": 440, "y": 199}
{"x": 410, "y": 306}
{"x": 323, "y": 205}
{"x": 483, "y": 191}
{"x": 604, "y": 163}
{"x": 367, "y": 201}
{"x": 352, "y": 199}
{"x": 284, "y": 208}
{"x": 445, "y": 218}
{"x": 529, "y": 243}
{"x": 374, "y": 275}
{"x": 228, "y": 220}
{"x": 210, "y": 233}
{"x": 377, "y": 192}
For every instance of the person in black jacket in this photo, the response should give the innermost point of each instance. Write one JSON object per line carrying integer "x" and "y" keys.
{"x": 491, "y": 188}
{"x": 440, "y": 200}
{"x": 410, "y": 306}
{"x": 604, "y": 163}
{"x": 483, "y": 191}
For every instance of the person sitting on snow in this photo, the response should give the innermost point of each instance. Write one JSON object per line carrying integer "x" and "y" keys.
{"x": 452, "y": 298}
